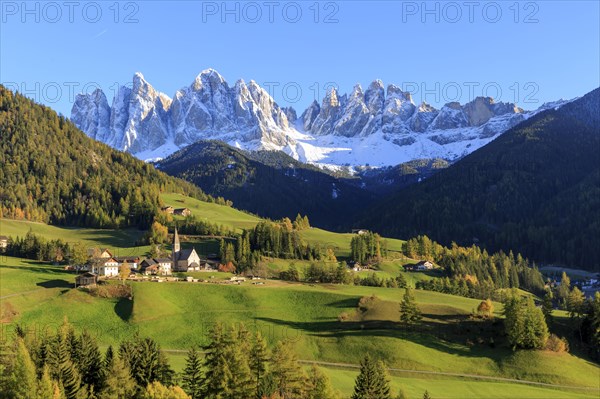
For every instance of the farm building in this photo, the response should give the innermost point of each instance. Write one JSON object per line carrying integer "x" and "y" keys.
{"x": 182, "y": 212}
{"x": 86, "y": 279}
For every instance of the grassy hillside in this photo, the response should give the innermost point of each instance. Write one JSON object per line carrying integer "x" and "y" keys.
{"x": 180, "y": 314}
{"x": 122, "y": 242}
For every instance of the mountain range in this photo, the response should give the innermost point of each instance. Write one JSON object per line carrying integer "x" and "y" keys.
{"x": 378, "y": 126}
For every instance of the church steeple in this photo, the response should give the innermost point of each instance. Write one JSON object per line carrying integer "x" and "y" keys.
{"x": 176, "y": 245}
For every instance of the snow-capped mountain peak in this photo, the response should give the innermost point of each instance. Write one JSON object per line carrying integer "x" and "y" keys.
{"x": 377, "y": 126}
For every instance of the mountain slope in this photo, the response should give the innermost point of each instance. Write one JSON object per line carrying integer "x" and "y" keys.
{"x": 52, "y": 172}
{"x": 377, "y": 127}
{"x": 535, "y": 190}
{"x": 268, "y": 183}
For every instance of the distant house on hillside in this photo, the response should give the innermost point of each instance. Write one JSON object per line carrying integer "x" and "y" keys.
{"x": 3, "y": 242}
{"x": 86, "y": 279}
{"x": 419, "y": 267}
{"x": 182, "y": 212}
{"x": 167, "y": 209}
{"x": 360, "y": 231}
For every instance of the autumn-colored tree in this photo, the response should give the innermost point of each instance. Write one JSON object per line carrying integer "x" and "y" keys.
{"x": 486, "y": 308}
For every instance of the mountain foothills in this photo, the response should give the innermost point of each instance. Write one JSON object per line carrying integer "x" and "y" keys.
{"x": 379, "y": 126}
{"x": 535, "y": 189}
{"x": 51, "y": 172}
{"x": 268, "y": 183}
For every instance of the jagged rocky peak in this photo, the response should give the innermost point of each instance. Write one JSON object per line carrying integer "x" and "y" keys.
{"x": 290, "y": 113}
{"x": 148, "y": 123}
{"x": 482, "y": 109}
{"x": 375, "y": 96}
{"x": 91, "y": 113}
{"x": 309, "y": 115}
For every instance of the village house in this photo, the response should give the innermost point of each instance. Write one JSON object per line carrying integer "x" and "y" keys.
{"x": 160, "y": 266}
{"x": 360, "y": 231}
{"x": 3, "y": 242}
{"x": 86, "y": 279}
{"x": 104, "y": 267}
{"x": 182, "y": 212}
{"x": 100, "y": 253}
{"x": 132, "y": 261}
{"x": 168, "y": 209}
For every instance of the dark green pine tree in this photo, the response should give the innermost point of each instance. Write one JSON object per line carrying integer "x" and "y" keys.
{"x": 372, "y": 381}
{"x": 61, "y": 366}
{"x": 192, "y": 374}
{"x": 217, "y": 374}
{"x": 409, "y": 311}
{"x": 259, "y": 357}
{"x": 108, "y": 357}
{"x": 237, "y": 348}
{"x": 547, "y": 306}
{"x": 90, "y": 362}
{"x": 426, "y": 395}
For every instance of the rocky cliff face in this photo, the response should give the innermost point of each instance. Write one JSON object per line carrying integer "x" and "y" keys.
{"x": 380, "y": 125}
{"x": 394, "y": 112}
{"x": 142, "y": 119}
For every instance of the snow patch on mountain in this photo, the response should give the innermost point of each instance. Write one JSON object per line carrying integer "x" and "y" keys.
{"x": 377, "y": 126}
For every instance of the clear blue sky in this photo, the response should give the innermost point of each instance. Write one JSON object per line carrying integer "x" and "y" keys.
{"x": 548, "y": 49}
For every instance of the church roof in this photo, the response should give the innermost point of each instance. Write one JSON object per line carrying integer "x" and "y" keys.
{"x": 185, "y": 254}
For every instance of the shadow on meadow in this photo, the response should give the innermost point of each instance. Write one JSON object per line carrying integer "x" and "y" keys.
{"x": 124, "y": 308}
{"x": 469, "y": 338}
{"x": 55, "y": 283}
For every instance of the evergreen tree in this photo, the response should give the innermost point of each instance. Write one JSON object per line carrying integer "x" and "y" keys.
{"x": 318, "y": 385}
{"x": 426, "y": 395}
{"x": 575, "y": 302}
{"x": 564, "y": 289}
{"x": 372, "y": 381}
{"x": 89, "y": 362}
{"x": 45, "y": 385}
{"x": 119, "y": 383}
{"x": 24, "y": 373}
{"x": 286, "y": 371}
{"x": 409, "y": 311}
{"x": 156, "y": 390}
{"x": 525, "y": 323}
{"x": 60, "y": 362}
{"x": 192, "y": 374}
{"x": 217, "y": 374}
{"x": 547, "y": 306}
{"x": 259, "y": 357}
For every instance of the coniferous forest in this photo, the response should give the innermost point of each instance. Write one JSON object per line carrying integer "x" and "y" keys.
{"x": 82, "y": 183}
{"x": 535, "y": 190}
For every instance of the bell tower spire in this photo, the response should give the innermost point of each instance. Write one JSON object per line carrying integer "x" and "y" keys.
{"x": 176, "y": 245}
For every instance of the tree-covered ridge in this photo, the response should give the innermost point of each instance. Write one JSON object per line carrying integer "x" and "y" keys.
{"x": 473, "y": 272}
{"x": 268, "y": 183}
{"x": 535, "y": 190}
{"x": 51, "y": 172}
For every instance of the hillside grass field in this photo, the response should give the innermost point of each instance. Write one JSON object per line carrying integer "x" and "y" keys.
{"x": 179, "y": 315}
{"x": 121, "y": 242}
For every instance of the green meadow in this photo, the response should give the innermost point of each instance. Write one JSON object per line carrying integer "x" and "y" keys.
{"x": 309, "y": 316}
